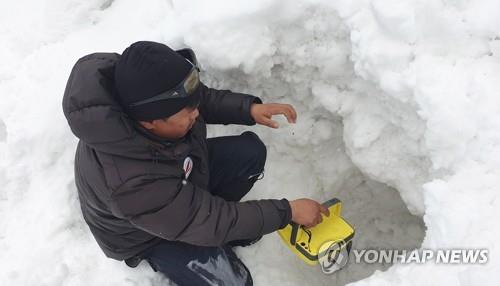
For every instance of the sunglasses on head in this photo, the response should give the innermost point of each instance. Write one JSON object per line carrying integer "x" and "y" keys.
{"x": 185, "y": 88}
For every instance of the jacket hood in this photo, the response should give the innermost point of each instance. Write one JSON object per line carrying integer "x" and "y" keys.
{"x": 96, "y": 117}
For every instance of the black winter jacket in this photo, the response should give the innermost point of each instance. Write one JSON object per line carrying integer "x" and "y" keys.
{"x": 130, "y": 182}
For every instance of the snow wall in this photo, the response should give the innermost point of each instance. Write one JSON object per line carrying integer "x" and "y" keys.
{"x": 398, "y": 110}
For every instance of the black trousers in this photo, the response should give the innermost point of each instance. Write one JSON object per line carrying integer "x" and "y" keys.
{"x": 236, "y": 162}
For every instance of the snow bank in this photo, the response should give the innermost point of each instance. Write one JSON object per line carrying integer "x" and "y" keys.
{"x": 391, "y": 95}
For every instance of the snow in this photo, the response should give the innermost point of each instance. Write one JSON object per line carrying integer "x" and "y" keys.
{"x": 398, "y": 117}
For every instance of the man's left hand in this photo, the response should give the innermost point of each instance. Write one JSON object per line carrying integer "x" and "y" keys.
{"x": 262, "y": 113}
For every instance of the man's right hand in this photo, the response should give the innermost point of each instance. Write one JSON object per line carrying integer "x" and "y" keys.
{"x": 307, "y": 212}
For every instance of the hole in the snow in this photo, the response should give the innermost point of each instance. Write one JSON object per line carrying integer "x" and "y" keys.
{"x": 322, "y": 170}
{"x": 380, "y": 216}
{"x": 382, "y": 221}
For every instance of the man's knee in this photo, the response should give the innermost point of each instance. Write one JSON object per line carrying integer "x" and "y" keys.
{"x": 256, "y": 149}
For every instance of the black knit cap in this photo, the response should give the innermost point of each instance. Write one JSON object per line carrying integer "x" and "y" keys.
{"x": 146, "y": 69}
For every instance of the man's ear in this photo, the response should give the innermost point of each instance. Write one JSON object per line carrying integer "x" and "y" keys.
{"x": 147, "y": 124}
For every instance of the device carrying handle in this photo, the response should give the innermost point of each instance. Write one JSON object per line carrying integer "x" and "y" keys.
{"x": 295, "y": 230}
{"x": 337, "y": 206}
{"x": 331, "y": 202}
{"x": 327, "y": 204}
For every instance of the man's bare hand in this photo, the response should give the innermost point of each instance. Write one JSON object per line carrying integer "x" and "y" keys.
{"x": 262, "y": 113}
{"x": 308, "y": 212}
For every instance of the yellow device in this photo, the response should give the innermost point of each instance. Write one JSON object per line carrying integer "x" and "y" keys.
{"x": 311, "y": 243}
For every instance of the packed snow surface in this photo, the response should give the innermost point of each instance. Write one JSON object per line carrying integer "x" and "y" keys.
{"x": 398, "y": 116}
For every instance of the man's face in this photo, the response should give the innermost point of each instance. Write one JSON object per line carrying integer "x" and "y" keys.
{"x": 174, "y": 127}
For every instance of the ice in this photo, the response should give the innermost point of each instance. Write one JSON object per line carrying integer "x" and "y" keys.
{"x": 398, "y": 116}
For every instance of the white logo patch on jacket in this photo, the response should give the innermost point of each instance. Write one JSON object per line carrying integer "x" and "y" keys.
{"x": 188, "y": 167}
